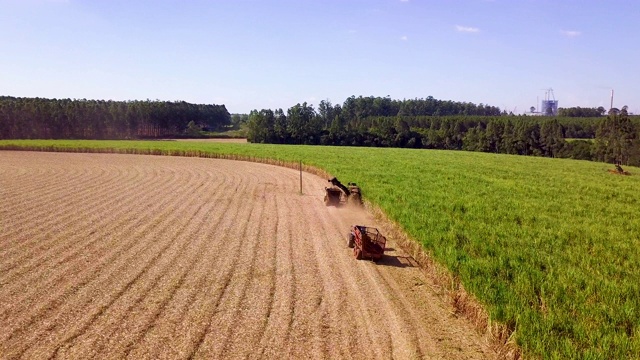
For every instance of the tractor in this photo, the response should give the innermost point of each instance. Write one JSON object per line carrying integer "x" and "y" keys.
{"x": 339, "y": 194}
{"x": 367, "y": 242}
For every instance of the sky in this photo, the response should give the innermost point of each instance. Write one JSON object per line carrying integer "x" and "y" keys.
{"x": 259, "y": 54}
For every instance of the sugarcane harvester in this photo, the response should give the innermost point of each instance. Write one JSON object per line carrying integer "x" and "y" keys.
{"x": 339, "y": 194}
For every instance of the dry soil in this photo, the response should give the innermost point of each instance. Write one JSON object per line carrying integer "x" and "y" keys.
{"x": 115, "y": 256}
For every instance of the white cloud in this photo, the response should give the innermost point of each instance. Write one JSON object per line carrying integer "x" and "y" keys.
{"x": 467, "y": 29}
{"x": 570, "y": 33}
{"x": 404, "y": 38}
{"x": 404, "y": 0}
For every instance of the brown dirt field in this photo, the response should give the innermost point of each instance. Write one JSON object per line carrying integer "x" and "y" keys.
{"x": 116, "y": 256}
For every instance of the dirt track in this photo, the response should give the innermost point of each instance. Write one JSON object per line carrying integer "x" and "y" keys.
{"x": 162, "y": 257}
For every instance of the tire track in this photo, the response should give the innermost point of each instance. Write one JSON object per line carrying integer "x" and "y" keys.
{"x": 278, "y": 328}
{"x": 55, "y": 325}
{"x": 267, "y": 323}
{"x": 64, "y": 273}
{"x": 156, "y": 258}
{"x": 256, "y": 297}
{"x": 62, "y": 297}
{"x": 370, "y": 339}
{"x": 387, "y": 335}
{"x": 150, "y": 314}
{"x": 416, "y": 341}
{"x": 194, "y": 257}
{"x": 37, "y": 179}
{"x": 220, "y": 290}
{"x": 236, "y": 289}
{"x": 70, "y": 240}
{"x": 39, "y": 214}
{"x": 167, "y": 326}
{"x": 43, "y": 193}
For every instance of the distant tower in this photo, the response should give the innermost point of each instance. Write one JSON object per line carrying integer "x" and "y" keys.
{"x": 549, "y": 106}
{"x": 611, "y": 107}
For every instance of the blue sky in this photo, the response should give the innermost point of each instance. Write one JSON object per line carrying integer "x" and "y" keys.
{"x": 273, "y": 54}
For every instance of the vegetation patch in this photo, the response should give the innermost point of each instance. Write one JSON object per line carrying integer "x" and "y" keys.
{"x": 549, "y": 246}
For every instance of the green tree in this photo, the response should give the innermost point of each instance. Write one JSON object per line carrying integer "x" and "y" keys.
{"x": 303, "y": 125}
{"x": 280, "y": 133}
{"x": 615, "y": 138}
{"x": 260, "y": 126}
{"x": 551, "y": 139}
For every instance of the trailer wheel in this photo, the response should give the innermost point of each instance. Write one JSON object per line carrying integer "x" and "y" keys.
{"x": 351, "y": 240}
{"x": 357, "y": 254}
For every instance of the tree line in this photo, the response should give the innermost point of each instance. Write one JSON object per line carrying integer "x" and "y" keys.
{"x": 581, "y": 112}
{"x": 38, "y": 118}
{"x": 360, "y": 121}
{"x": 614, "y": 138}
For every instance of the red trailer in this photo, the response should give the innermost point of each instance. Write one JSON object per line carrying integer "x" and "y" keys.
{"x": 367, "y": 242}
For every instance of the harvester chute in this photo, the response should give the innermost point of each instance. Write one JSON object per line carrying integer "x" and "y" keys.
{"x": 339, "y": 194}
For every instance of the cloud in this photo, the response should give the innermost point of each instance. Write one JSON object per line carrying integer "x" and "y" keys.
{"x": 404, "y": 0}
{"x": 467, "y": 29}
{"x": 570, "y": 33}
{"x": 404, "y": 38}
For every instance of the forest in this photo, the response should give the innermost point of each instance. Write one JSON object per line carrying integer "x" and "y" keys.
{"x": 38, "y": 118}
{"x": 581, "y": 133}
{"x": 434, "y": 124}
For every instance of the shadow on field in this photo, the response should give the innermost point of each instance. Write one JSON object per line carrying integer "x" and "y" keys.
{"x": 397, "y": 261}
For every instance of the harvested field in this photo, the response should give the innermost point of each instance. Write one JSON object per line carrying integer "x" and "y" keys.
{"x": 165, "y": 257}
